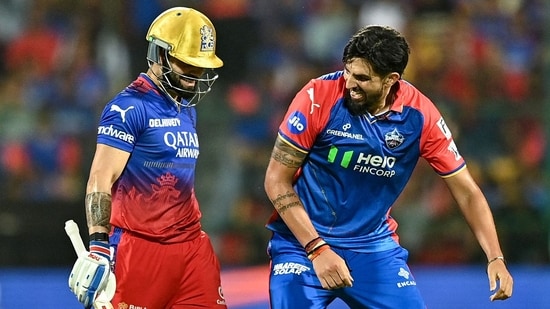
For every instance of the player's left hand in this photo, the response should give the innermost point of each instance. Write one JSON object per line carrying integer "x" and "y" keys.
{"x": 498, "y": 272}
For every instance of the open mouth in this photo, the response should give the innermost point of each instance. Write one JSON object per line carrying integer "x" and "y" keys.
{"x": 356, "y": 94}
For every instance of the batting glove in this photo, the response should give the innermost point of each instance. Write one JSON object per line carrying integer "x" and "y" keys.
{"x": 90, "y": 273}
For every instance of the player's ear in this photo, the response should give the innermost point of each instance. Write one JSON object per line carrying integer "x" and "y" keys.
{"x": 392, "y": 78}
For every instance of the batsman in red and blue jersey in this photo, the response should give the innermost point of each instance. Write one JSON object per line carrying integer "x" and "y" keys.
{"x": 345, "y": 150}
{"x": 142, "y": 213}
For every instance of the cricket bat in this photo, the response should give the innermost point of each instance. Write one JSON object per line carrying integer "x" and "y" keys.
{"x": 103, "y": 300}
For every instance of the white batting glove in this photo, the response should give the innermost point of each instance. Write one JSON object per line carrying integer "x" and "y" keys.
{"x": 90, "y": 273}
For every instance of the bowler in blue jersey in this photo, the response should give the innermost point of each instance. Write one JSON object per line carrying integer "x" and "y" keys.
{"x": 345, "y": 151}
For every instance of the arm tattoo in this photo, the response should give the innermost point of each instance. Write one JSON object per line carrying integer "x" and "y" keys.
{"x": 98, "y": 209}
{"x": 287, "y": 155}
{"x": 285, "y": 201}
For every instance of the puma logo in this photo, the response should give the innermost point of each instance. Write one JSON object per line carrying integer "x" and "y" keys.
{"x": 116, "y": 108}
{"x": 312, "y": 98}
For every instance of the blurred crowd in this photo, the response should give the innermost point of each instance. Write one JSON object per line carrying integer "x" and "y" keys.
{"x": 481, "y": 61}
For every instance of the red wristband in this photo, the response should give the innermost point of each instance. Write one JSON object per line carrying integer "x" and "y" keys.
{"x": 317, "y": 251}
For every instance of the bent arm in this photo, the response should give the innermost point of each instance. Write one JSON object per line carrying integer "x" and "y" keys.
{"x": 330, "y": 268}
{"x": 283, "y": 165}
{"x": 107, "y": 165}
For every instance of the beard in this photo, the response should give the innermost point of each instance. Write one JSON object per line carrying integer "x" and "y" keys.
{"x": 369, "y": 103}
{"x": 175, "y": 88}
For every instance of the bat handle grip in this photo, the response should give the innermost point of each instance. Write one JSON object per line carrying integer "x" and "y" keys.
{"x": 71, "y": 228}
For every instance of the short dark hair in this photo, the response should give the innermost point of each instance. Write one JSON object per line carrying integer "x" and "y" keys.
{"x": 383, "y": 47}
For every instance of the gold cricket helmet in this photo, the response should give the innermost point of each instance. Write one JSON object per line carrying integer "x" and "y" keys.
{"x": 187, "y": 35}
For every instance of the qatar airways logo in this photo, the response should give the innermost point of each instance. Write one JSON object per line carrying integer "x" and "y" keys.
{"x": 116, "y": 133}
{"x": 380, "y": 166}
{"x": 186, "y": 144}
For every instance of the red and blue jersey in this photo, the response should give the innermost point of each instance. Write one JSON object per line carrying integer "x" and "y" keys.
{"x": 358, "y": 165}
{"x": 154, "y": 197}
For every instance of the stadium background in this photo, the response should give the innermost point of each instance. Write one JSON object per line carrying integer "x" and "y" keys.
{"x": 484, "y": 63}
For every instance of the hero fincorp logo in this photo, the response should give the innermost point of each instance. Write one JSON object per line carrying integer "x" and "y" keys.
{"x": 297, "y": 123}
{"x": 376, "y": 165}
{"x": 185, "y": 143}
{"x": 110, "y": 131}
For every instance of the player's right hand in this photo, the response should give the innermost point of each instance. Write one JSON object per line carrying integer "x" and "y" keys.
{"x": 90, "y": 273}
{"x": 332, "y": 270}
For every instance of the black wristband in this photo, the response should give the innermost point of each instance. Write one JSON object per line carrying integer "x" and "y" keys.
{"x": 99, "y": 236}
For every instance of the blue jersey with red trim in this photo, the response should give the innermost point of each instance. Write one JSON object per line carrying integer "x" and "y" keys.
{"x": 358, "y": 165}
{"x": 154, "y": 196}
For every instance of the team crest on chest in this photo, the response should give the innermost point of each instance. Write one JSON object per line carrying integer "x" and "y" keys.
{"x": 394, "y": 139}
